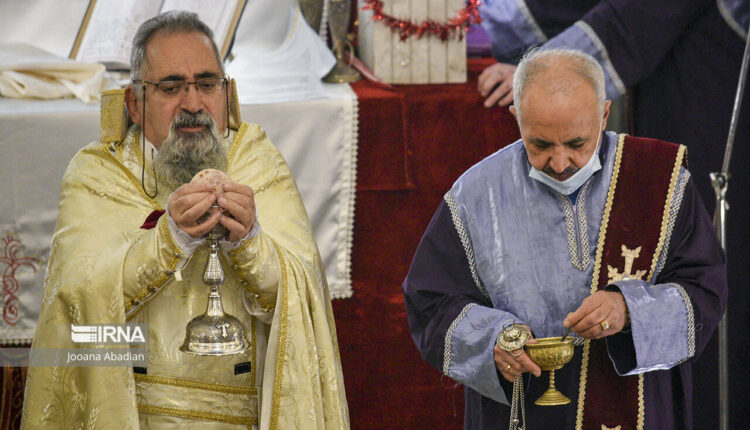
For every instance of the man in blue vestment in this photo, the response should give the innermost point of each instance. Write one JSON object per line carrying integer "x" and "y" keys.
{"x": 526, "y": 236}
{"x": 679, "y": 61}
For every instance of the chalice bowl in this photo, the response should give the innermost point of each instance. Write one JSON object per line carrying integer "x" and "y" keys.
{"x": 551, "y": 353}
{"x": 214, "y": 332}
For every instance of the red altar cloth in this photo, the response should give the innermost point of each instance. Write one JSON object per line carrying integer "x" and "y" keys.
{"x": 414, "y": 141}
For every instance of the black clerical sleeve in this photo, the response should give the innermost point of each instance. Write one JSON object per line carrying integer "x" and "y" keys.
{"x": 438, "y": 286}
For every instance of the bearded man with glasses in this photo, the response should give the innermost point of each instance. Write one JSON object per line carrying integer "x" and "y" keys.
{"x": 129, "y": 247}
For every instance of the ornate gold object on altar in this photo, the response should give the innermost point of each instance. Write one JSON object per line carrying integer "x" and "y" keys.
{"x": 214, "y": 332}
{"x": 312, "y": 10}
{"x": 339, "y": 15}
{"x": 513, "y": 336}
{"x": 551, "y": 353}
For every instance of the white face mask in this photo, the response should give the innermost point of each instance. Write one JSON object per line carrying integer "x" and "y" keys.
{"x": 571, "y": 184}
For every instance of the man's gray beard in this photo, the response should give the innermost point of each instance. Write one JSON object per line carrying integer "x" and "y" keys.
{"x": 181, "y": 157}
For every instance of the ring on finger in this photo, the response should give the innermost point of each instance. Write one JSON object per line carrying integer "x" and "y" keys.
{"x": 507, "y": 368}
{"x": 604, "y": 324}
{"x": 516, "y": 355}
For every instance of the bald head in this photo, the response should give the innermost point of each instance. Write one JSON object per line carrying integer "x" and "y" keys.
{"x": 558, "y": 72}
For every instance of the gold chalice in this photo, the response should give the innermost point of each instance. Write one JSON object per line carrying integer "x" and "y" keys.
{"x": 551, "y": 353}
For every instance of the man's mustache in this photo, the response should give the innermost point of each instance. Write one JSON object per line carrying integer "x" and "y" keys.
{"x": 569, "y": 171}
{"x": 190, "y": 119}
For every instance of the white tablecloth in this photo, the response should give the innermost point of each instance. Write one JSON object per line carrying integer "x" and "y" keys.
{"x": 318, "y": 138}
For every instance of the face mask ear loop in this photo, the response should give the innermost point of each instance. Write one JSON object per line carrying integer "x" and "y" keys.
{"x": 143, "y": 151}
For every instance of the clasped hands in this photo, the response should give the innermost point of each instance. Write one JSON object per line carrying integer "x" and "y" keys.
{"x": 190, "y": 202}
{"x": 601, "y": 314}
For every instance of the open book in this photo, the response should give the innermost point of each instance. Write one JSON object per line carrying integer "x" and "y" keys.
{"x": 107, "y": 30}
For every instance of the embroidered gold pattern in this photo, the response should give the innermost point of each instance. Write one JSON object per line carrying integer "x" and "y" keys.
{"x": 197, "y": 415}
{"x": 281, "y": 348}
{"x": 250, "y": 391}
{"x": 235, "y": 142}
{"x": 660, "y": 244}
{"x": 610, "y": 428}
{"x": 641, "y": 404}
{"x": 234, "y": 258}
{"x": 112, "y": 116}
{"x": 630, "y": 256}
{"x": 597, "y": 266}
{"x": 156, "y": 284}
{"x": 136, "y": 182}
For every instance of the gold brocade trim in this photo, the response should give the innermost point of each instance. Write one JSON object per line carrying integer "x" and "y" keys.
{"x": 594, "y": 282}
{"x": 157, "y": 284}
{"x": 119, "y": 152}
{"x": 112, "y": 116}
{"x": 233, "y": 259}
{"x": 164, "y": 229}
{"x": 667, "y": 205}
{"x": 136, "y": 182}
{"x": 281, "y": 347}
{"x": 641, "y": 404}
{"x": 198, "y": 415}
{"x": 238, "y": 136}
{"x": 582, "y": 384}
{"x": 138, "y": 154}
{"x": 228, "y": 389}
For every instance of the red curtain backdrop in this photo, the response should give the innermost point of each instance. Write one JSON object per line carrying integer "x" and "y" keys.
{"x": 414, "y": 142}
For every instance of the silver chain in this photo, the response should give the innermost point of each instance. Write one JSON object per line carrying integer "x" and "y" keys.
{"x": 517, "y": 402}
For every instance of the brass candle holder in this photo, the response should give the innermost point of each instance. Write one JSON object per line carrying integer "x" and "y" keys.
{"x": 551, "y": 353}
{"x": 338, "y": 22}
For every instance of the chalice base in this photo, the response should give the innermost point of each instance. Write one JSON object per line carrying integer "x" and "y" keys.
{"x": 342, "y": 73}
{"x": 552, "y": 397}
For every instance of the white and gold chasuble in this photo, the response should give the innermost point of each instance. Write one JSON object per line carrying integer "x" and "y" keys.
{"x": 105, "y": 269}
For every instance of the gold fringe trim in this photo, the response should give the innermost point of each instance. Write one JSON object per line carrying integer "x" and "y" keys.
{"x": 597, "y": 265}
{"x": 281, "y": 347}
{"x": 667, "y": 206}
{"x": 594, "y": 280}
{"x": 641, "y": 404}
{"x": 197, "y": 415}
{"x": 227, "y": 389}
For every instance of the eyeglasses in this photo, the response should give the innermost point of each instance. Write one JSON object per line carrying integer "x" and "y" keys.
{"x": 205, "y": 86}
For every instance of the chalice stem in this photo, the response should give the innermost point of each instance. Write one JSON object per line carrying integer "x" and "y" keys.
{"x": 552, "y": 380}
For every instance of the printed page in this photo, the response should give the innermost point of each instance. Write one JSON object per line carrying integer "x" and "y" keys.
{"x": 109, "y": 34}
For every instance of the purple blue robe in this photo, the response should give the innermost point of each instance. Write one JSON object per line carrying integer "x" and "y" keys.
{"x": 503, "y": 247}
{"x": 680, "y": 61}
